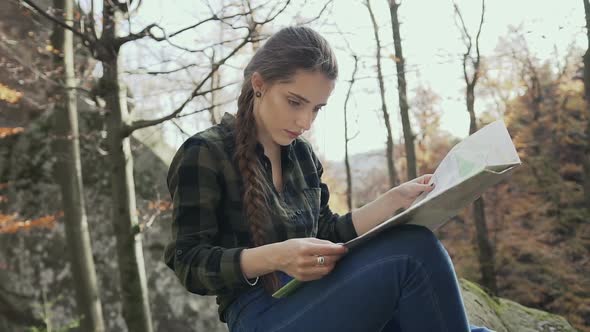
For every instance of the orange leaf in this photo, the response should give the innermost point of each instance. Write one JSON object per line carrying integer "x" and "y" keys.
{"x": 9, "y": 95}
{"x": 395, "y": 58}
{"x": 9, "y": 224}
{"x": 160, "y": 205}
{"x": 7, "y": 131}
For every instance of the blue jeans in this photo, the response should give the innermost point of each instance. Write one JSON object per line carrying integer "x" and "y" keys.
{"x": 401, "y": 280}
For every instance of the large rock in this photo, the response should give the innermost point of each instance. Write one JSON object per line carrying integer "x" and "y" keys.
{"x": 503, "y": 315}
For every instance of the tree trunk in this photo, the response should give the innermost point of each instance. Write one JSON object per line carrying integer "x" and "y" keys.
{"x": 470, "y": 98}
{"x": 401, "y": 88}
{"x": 215, "y": 111}
{"x": 347, "y": 139}
{"x": 132, "y": 275}
{"x": 390, "y": 163}
{"x": 69, "y": 176}
{"x": 587, "y": 97}
{"x": 215, "y": 80}
{"x": 348, "y": 175}
{"x": 486, "y": 253}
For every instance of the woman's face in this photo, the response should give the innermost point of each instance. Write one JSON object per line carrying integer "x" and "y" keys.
{"x": 287, "y": 109}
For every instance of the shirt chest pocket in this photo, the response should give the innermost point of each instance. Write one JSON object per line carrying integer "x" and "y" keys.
{"x": 310, "y": 212}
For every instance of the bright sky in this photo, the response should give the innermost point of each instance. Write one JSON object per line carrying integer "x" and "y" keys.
{"x": 432, "y": 48}
{"x": 430, "y": 38}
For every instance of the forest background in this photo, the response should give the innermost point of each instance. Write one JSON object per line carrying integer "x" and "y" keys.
{"x": 95, "y": 98}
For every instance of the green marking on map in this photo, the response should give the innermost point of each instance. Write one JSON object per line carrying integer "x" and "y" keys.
{"x": 466, "y": 167}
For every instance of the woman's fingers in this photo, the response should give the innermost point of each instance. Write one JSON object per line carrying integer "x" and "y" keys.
{"x": 418, "y": 188}
{"x": 312, "y": 261}
{"x": 315, "y": 272}
{"x": 304, "y": 263}
{"x": 423, "y": 179}
{"x": 324, "y": 248}
{"x": 428, "y": 187}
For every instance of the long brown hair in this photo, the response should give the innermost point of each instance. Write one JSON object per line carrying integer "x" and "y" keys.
{"x": 288, "y": 50}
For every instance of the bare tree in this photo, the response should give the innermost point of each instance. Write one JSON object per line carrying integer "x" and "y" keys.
{"x": 215, "y": 82}
{"x": 69, "y": 176}
{"x": 393, "y": 181}
{"x": 486, "y": 253}
{"x": 402, "y": 91}
{"x": 346, "y": 136}
{"x": 587, "y": 97}
{"x": 120, "y": 126}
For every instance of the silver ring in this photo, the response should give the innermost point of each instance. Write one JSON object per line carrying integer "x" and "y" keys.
{"x": 321, "y": 260}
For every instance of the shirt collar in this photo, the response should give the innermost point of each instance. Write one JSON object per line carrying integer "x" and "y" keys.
{"x": 227, "y": 123}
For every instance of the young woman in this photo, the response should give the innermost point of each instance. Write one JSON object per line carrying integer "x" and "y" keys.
{"x": 250, "y": 213}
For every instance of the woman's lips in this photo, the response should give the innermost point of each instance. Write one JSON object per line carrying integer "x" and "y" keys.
{"x": 292, "y": 134}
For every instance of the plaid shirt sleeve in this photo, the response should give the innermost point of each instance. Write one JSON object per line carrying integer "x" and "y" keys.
{"x": 194, "y": 183}
{"x": 331, "y": 226}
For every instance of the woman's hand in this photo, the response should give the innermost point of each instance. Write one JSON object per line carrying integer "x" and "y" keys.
{"x": 298, "y": 257}
{"x": 407, "y": 192}
{"x": 389, "y": 203}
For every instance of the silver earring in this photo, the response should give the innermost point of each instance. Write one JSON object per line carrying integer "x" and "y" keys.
{"x": 258, "y": 94}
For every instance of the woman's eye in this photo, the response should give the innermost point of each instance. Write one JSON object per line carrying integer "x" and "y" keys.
{"x": 293, "y": 102}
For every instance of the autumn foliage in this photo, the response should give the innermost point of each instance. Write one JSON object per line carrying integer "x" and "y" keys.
{"x": 7, "y": 131}
{"x": 12, "y": 223}
{"x": 9, "y": 95}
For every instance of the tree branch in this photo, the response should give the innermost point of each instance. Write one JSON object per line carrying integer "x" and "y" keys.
{"x": 143, "y": 33}
{"x": 483, "y": 9}
{"x": 465, "y": 35}
{"x": 139, "y": 71}
{"x": 270, "y": 18}
{"x": 349, "y": 91}
{"x": 146, "y": 32}
{"x": 202, "y": 50}
{"x": 138, "y": 124}
{"x": 208, "y": 108}
{"x": 175, "y": 123}
{"x": 317, "y": 17}
{"x": 92, "y": 23}
{"x": 39, "y": 73}
{"x": 87, "y": 41}
{"x": 466, "y": 40}
{"x": 147, "y": 123}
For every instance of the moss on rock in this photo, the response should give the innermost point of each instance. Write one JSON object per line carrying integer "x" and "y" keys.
{"x": 503, "y": 315}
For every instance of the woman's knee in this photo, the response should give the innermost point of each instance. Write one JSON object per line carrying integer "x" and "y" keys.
{"x": 416, "y": 241}
{"x": 419, "y": 233}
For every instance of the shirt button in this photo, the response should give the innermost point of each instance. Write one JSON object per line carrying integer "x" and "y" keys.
{"x": 298, "y": 211}
{"x": 178, "y": 252}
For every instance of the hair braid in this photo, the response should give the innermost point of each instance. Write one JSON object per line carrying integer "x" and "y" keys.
{"x": 255, "y": 202}
{"x": 283, "y": 54}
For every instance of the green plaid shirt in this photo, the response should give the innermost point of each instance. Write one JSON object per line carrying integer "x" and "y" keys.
{"x": 209, "y": 230}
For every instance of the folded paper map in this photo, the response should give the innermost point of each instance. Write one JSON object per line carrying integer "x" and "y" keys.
{"x": 470, "y": 168}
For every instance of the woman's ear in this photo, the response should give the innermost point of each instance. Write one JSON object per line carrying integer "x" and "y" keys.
{"x": 257, "y": 82}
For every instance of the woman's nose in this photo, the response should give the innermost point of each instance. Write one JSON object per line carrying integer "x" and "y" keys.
{"x": 305, "y": 120}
